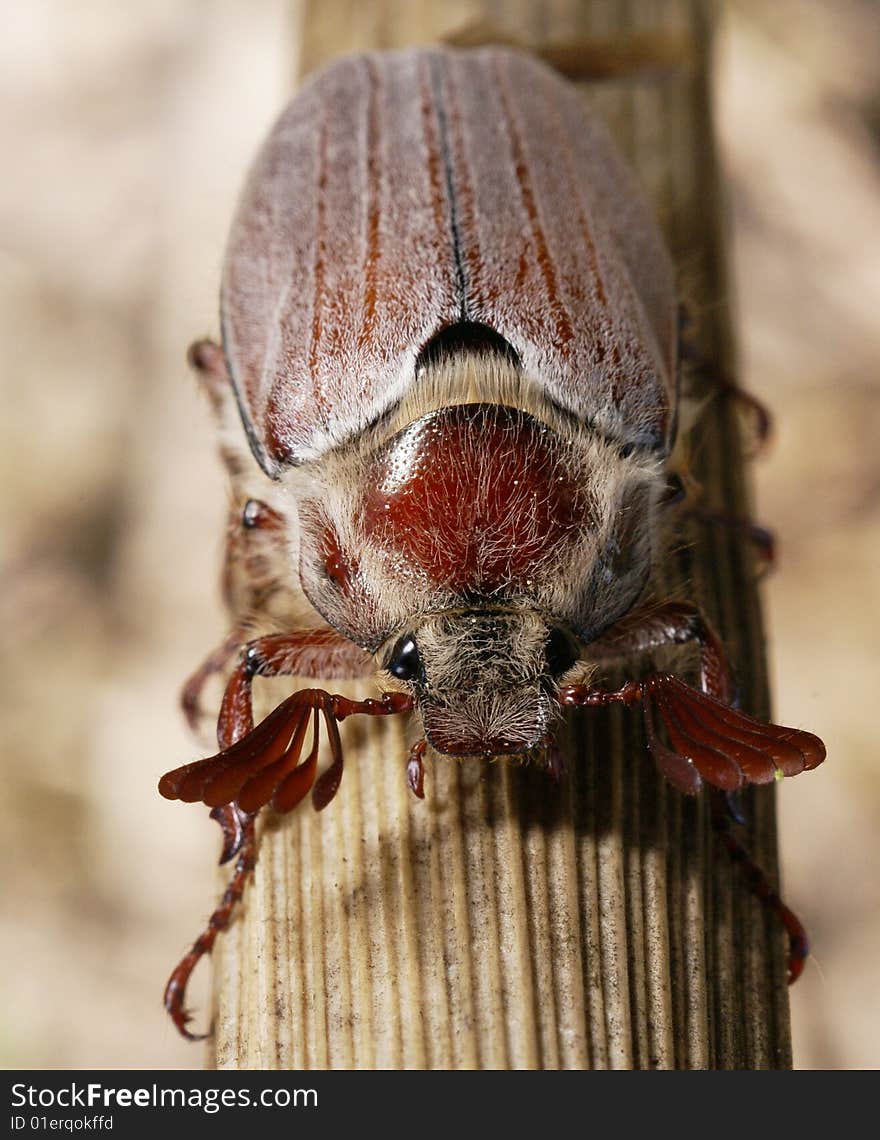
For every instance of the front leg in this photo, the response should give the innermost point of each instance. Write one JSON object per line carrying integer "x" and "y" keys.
{"x": 256, "y": 765}
{"x": 673, "y": 623}
{"x": 175, "y": 989}
{"x": 709, "y": 740}
{"x": 239, "y": 838}
{"x": 306, "y": 653}
{"x": 215, "y": 662}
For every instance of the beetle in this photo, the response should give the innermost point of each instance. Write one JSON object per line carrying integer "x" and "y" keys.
{"x": 450, "y": 331}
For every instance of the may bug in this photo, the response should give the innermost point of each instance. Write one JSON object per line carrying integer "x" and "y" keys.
{"x": 450, "y": 327}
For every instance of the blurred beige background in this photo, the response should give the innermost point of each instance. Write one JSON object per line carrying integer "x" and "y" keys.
{"x": 125, "y": 131}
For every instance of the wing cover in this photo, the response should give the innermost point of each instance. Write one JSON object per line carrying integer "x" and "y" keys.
{"x": 400, "y": 193}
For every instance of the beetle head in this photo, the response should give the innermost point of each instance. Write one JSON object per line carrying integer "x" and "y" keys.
{"x": 484, "y": 679}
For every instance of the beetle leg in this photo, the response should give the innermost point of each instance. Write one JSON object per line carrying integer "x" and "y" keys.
{"x": 710, "y": 740}
{"x": 683, "y": 491}
{"x": 232, "y": 823}
{"x": 323, "y": 651}
{"x": 677, "y": 494}
{"x": 206, "y": 359}
{"x": 175, "y": 989}
{"x": 260, "y": 765}
{"x": 759, "y": 885}
{"x": 723, "y": 384}
{"x": 672, "y": 623}
{"x": 306, "y": 653}
{"x": 238, "y": 839}
{"x": 555, "y": 761}
{"x": 415, "y": 769}
{"x": 733, "y": 807}
{"x": 191, "y": 693}
{"x": 761, "y": 538}
{"x": 758, "y": 414}
{"x": 727, "y": 748}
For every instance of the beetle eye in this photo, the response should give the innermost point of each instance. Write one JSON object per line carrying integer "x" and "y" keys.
{"x": 252, "y": 514}
{"x": 258, "y": 516}
{"x": 560, "y": 652}
{"x": 405, "y": 663}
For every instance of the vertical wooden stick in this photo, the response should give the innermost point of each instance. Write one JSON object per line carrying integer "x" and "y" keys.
{"x": 505, "y": 922}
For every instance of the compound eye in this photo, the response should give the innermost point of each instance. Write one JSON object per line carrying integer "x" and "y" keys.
{"x": 560, "y": 652}
{"x": 405, "y": 663}
{"x": 253, "y": 513}
{"x": 257, "y": 516}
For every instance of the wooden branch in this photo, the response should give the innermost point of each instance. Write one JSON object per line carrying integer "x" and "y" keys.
{"x": 505, "y": 922}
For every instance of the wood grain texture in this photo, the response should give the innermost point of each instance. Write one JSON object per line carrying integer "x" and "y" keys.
{"x": 505, "y": 922}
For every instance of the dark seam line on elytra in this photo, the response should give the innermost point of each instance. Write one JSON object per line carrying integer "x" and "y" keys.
{"x": 450, "y": 190}
{"x": 373, "y": 240}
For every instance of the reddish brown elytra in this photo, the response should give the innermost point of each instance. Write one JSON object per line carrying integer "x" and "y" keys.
{"x": 450, "y": 331}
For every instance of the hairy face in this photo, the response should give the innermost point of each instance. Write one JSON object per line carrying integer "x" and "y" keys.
{"x": 484, "y": 680}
